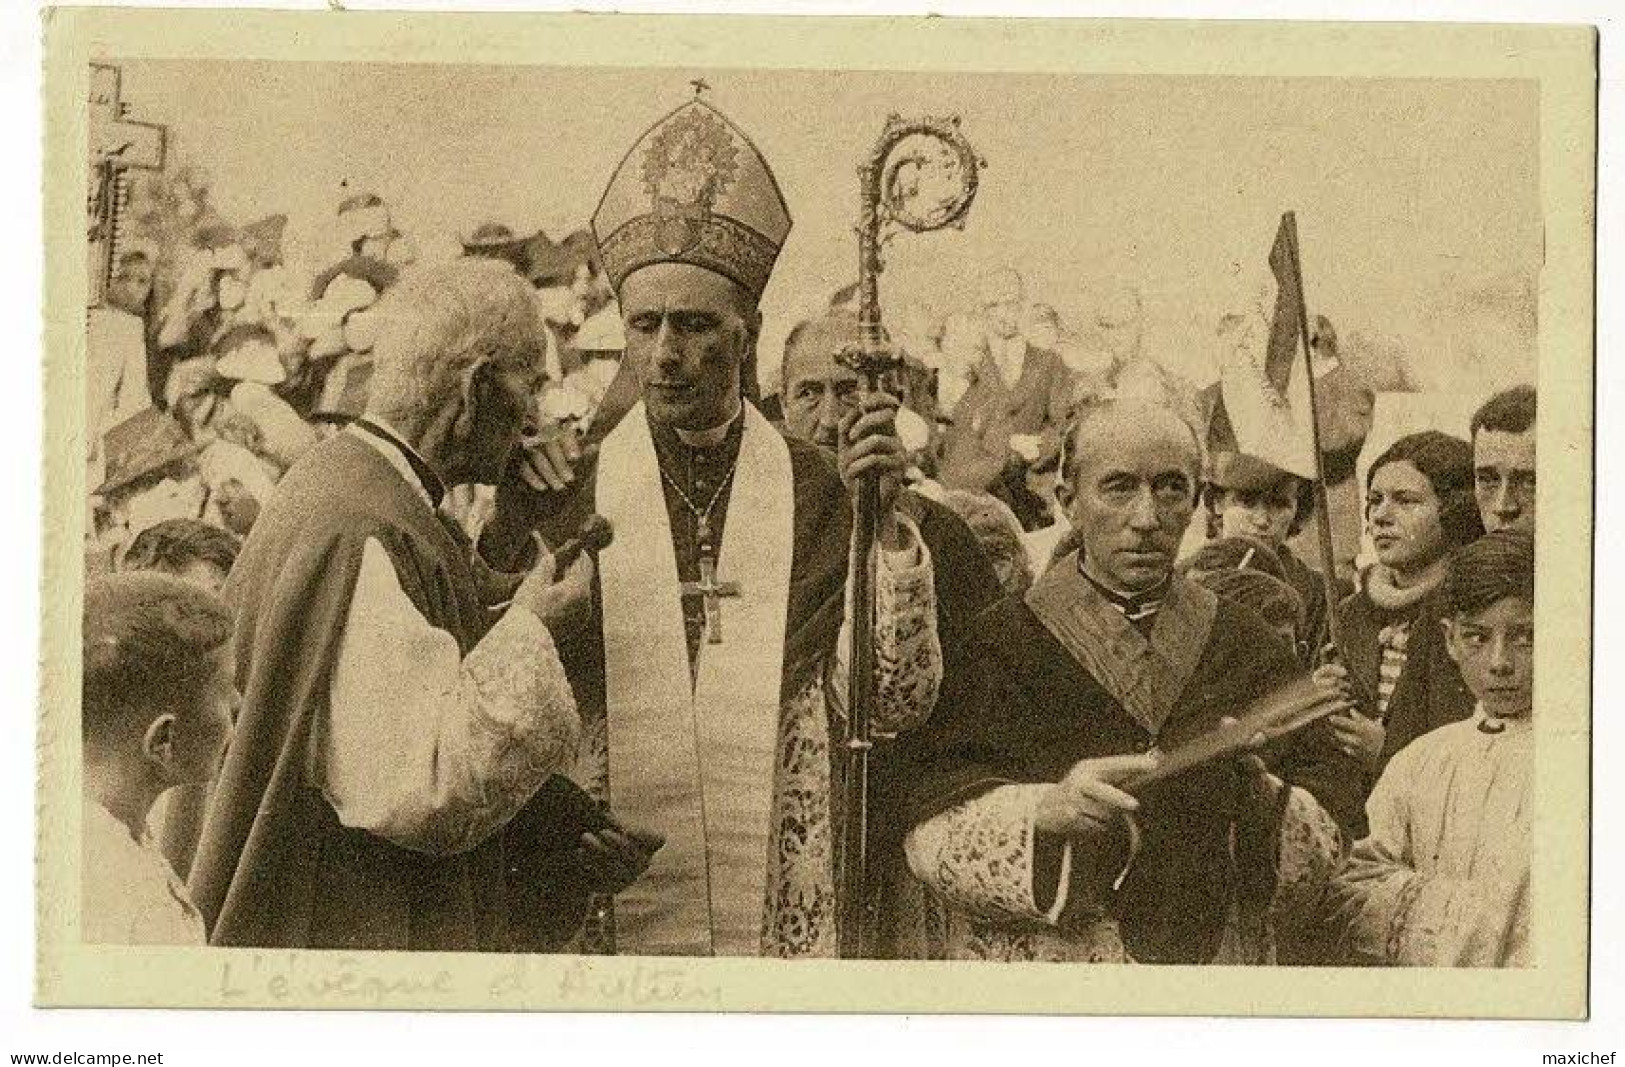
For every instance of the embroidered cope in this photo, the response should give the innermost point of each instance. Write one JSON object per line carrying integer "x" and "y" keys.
{"x": 1003, "y": 896}
{"x": 979, "y": 858}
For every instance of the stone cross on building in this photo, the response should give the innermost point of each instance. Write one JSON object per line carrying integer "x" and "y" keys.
{"x": 116, "y": 145}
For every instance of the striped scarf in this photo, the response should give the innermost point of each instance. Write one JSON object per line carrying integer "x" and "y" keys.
{"x": 1394, "y": 639}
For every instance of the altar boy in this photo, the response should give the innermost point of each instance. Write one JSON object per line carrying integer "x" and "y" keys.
{"x": 1442, "y": 880}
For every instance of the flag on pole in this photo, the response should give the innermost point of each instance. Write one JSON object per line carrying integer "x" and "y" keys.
{"x": 1262, "y": 409}
{"x": 1267, "y": 400}
{"x": 1289, "y": 309}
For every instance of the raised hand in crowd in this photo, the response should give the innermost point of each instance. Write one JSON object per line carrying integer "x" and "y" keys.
{"x": 550, "y": 456}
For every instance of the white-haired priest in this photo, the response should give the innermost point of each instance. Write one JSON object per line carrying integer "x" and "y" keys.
{"x": 391, "y": 721}
{"x": 712, "y": 687}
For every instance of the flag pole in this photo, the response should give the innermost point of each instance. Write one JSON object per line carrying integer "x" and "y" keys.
{"x": 1323, "y": 517}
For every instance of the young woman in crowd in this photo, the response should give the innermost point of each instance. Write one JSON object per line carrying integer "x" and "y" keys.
{"x": 1419, "y": 509}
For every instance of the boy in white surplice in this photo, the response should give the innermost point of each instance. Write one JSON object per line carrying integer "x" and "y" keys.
{"x": 1443, "y": 878}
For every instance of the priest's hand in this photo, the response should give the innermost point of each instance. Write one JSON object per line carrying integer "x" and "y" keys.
{"x": 616, "y": 856}
{"x": 562, "y": 603}
{"x": 869, "y": 444}
{"x": 1090, "y": 798}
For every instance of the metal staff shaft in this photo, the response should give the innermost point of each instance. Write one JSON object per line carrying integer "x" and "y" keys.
{"x": 1323, "y": 516}
{"x": 895, "y": 189}
{"x": 854, "y": 919}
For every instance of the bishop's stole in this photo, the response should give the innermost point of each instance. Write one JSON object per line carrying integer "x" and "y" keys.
{"x": 735, "y": 765}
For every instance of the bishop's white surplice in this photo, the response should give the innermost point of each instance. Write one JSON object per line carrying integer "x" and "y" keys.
{"x": 737, "y": 779}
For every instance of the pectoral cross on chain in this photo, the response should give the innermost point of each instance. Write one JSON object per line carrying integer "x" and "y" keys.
{"x": 712, "y": 590}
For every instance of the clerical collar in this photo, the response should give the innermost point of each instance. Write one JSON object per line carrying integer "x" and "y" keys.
{"x": 1135, "y": 607}
{"x": 715, "y": 435}
{"x": 1495, "y": 725}
{"x": 433, "y": 486}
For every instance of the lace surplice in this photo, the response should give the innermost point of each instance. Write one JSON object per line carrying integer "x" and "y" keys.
{"x": 432, "y": 751}
{"x": 977, "y": 859}
{"x": 1443, "y": 878}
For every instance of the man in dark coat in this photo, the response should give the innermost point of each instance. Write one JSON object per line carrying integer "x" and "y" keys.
{"x": 1020, "y": 811}
{"x": 1009, "y": 421}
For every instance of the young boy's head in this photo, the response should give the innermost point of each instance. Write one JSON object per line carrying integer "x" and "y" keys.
{"x": 189, "y": 549}
{"x": 1490, "y": 626}
{"x": 158, "y": 695}
{"x": 1248, "y": 497}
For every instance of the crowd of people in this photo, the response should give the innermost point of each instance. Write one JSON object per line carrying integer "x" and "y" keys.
{"x": 357, "y": 675}
{"x": 213, "y": 367}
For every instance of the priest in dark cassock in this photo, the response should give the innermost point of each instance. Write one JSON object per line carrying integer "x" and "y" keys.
{"x": 713, "y": 684}
{"x": 392, "y": 722}
{"x": 1023, "y": 819}
{"x": 819, "y": 392}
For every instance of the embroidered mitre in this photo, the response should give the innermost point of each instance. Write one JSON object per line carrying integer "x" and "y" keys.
{"x": 693, "y": 189}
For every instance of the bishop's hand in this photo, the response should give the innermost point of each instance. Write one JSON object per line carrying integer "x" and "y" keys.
{"x": 612, "y": 858}
{"x": 538, "y": 491}
{"x": 869, "y": 444}
{"x": 548, "y": 457}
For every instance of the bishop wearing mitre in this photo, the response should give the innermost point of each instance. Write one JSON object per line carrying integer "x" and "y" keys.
{"x": 712, "y": 682}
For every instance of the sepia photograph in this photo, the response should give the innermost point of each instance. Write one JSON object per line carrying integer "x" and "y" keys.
{"x": 1025, "y": 528}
